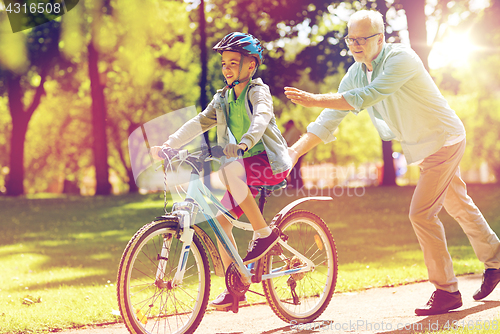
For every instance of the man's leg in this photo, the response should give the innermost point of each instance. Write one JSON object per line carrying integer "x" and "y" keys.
{"x": 482, "y": 238}
{"x": 484, "y": 241}
{"x": 437, "y": 172}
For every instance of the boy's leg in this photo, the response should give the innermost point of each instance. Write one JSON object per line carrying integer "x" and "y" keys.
{"x": 233, "y": 177}
{"x": 228, "y": 228}
{"x": 225, "y": 299}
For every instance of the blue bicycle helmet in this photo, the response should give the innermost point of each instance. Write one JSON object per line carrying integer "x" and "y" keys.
{"x": 243, "y": 43}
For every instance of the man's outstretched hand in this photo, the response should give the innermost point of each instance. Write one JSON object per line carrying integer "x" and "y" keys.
{"x": 300, "y": 97}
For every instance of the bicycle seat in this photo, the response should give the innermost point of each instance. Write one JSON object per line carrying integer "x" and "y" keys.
{"x": 270, "y": 189}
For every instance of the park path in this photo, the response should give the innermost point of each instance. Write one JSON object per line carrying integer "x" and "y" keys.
{"x": 378, "y": 310}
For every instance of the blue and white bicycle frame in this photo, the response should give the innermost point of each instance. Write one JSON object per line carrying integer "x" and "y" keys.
{"x": 187, "y": 211}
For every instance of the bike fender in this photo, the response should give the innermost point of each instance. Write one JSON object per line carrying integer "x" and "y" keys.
{"x": 277, "y": 218}
{"x": 213, "y": 252}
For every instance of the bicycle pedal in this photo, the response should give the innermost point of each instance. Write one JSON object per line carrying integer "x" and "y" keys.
{"x": 224, "y": 309}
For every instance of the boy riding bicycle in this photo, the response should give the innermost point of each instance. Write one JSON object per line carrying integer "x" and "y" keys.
{"x": 243, "y": 110}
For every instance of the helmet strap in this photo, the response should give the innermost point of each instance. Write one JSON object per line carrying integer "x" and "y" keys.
{"x": 237, "y": 81}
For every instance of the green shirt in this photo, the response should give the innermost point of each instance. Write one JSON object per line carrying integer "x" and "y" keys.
{"x": 238, "y": 121}
{"x": 402, "y": 100}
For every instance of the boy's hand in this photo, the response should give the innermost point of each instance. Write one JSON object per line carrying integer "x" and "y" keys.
{"x": 155, "y": 150}
{"x": 231, "y": 150}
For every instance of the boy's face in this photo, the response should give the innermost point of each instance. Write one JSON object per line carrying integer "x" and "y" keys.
{"x": 231, "y": 66}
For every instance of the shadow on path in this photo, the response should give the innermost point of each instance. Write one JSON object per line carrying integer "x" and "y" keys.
{"x": 452, "y": 320}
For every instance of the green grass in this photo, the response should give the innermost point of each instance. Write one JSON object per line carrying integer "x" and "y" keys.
{"x": 59, "y": 255}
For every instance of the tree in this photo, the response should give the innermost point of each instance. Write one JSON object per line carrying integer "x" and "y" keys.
{"x": 415, "y": 16}
{"x": 151, "y": 70}
{"x": 481, "y": 83}
{"x": 203, "y": 81}
{"x": 389, "y": 171}
{"x": 100, "y": 142}
{"x": 143, "y": 69}
{"x": 42, "y": 53}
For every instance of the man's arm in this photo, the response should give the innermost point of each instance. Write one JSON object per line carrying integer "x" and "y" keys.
{"x": 330, "y": 101}
{"x": 305, "y": 143}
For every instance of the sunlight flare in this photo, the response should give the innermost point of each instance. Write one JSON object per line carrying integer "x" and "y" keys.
{"x": 454, "y": 50}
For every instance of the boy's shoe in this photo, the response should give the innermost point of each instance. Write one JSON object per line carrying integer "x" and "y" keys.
{"x": 259, "y": 247}
{"x": 225, "y": 299}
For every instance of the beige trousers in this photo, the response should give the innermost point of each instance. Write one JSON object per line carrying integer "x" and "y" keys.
{"x": 440, "y": 185}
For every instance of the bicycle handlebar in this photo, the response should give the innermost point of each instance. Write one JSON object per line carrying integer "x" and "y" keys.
{"x": 216, "y": 152}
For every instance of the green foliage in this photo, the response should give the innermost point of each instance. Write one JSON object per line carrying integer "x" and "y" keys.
{"x": 139, "y": 88}
{"x": 475, "y": 91}
{"x": 149, "y": 64}
{"x": 56, "y": 145}
{"x": 357, "y": 139}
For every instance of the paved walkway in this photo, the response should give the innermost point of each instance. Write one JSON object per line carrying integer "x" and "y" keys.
{"x": 379, "y": 310}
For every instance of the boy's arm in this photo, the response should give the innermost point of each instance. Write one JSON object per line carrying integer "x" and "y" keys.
{"x": 262, "y": 103}
{"x": 199, "y": 124}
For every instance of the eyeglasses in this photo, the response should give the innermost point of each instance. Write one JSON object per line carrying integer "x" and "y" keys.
{"x": 359, "y": 40}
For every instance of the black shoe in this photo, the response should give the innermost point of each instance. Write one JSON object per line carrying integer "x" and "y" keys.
{"x": 491, "y": 277}
{"x": 225, "y": 299}
{"x": 441, "y": 302}
{"x": 259, "y": 247}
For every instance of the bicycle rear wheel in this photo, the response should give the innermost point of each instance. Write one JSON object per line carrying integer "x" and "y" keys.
{"x": 149, "y": 304}
{"x": 313, "y": 290}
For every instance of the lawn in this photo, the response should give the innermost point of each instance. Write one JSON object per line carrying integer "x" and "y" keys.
{"x": 59, "y": 255}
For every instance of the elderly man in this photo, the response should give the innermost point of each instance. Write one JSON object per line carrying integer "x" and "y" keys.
{"x": 390, "y": 81}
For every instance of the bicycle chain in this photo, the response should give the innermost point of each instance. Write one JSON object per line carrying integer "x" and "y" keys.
{"x": 234, "y": 283}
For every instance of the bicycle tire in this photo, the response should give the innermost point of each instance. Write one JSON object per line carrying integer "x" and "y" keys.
{"x": 147, "y": 307}
{"x": 308, "y": 234}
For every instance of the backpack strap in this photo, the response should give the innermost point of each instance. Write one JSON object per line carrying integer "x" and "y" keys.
{"x": 249, "y": 102}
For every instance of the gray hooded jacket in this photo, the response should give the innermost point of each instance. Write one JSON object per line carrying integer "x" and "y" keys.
{"x": 262, "y": 125}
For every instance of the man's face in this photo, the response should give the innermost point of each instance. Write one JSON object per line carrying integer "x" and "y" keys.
{"x": 231, "y": 66}
{"x": 368, "y": 52}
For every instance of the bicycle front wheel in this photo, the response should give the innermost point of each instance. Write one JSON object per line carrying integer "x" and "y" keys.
{"x": 148, "y": 300}
{"x": 302, "y": 297}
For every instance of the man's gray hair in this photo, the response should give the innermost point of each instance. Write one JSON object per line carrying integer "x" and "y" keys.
{"x": 376, "y": 19}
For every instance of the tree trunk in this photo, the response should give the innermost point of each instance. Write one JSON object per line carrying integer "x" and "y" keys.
{"x": 389, "y": 178}
{"x": 100, "y": 143}
{"x": 207, "y": 167}
{"x": 389, "y": 174}
{"x": 20, "y": 119}
{"x": 415, "y": 16}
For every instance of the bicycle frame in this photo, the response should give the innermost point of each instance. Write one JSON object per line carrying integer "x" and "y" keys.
{"x": 187, "y": 211}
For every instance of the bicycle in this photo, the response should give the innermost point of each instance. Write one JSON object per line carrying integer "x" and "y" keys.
{"x": 163, "y": 282}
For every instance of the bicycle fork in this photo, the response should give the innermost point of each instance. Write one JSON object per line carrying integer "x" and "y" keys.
{"x": 186, "y": 238}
